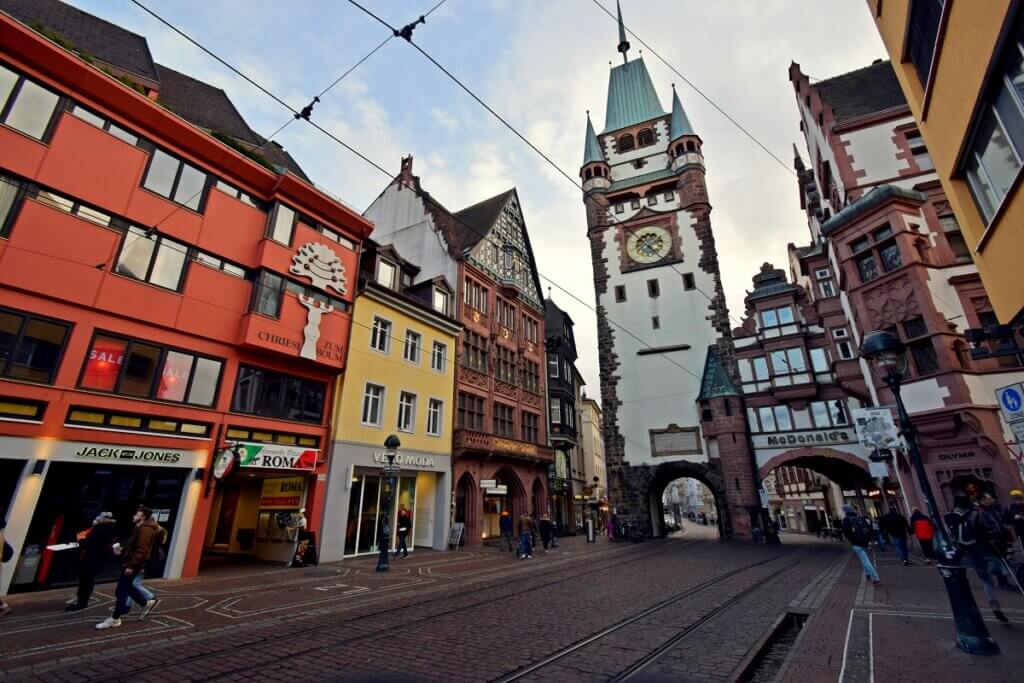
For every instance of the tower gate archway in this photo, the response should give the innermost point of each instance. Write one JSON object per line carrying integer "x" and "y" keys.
{"x": 665, "y": 473}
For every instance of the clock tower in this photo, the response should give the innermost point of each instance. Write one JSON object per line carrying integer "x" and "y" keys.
{"x": 663, "y": 327}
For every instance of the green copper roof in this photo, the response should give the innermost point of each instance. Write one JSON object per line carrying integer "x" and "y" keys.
{"x": 715, "y": 382}
{"x": 591, "y": 148}
{"x": 660, "y": 174}
{"x": 631, "y": 96}
{"x": 680, "y": 124}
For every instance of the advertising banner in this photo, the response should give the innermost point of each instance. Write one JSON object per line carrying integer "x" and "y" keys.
{"x": 274, "y": 456}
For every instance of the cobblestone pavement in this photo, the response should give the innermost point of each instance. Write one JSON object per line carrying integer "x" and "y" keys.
{"x": 688, "y": 608}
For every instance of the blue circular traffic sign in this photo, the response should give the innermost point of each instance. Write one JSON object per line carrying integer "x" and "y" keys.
{"x": 1012, "y": 400}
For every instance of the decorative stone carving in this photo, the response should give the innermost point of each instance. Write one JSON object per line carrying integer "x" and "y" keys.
{"x": 892, "y": 302}
{"x": 323, "y": 267}
{"x": 505, "y": 389}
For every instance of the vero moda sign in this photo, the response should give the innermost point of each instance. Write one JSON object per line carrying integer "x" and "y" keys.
{"x": 274, "y": 456}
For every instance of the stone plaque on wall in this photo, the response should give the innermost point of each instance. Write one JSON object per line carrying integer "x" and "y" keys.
{"x": 675, "y": 441}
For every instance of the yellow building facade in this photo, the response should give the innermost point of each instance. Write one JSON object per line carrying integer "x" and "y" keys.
{"x": 959, "y": 64}
{"x": 399, "y": 380}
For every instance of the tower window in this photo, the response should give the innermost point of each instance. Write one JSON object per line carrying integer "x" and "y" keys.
{"x": 626, "y": 143}
{"x": 645, "y": 137}
{"x": 620, "y": 207}
{"x": 688, "y": 282}
{"x": 620, "y": 293}
{"x": 655, "y": 322}
{"x": 652, "y": 200}
{"x": 669, "y": 196}
{"x": 691, "y": 146}
{"x": 653, "y": 290}
{"x": 588, "y": 174}
{"x": 635, "y": 204}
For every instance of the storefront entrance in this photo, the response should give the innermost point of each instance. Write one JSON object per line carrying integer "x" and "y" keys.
{"x": 246, "y": 515}
{"x": 362, "y": 528}
{"x": 72, "y": 496}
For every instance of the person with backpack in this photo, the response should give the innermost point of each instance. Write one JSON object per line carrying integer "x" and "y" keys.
{"x": 525, "y": 536}
{"x": 990, "y": 518}
{"x": 924, "y": 532}
{"x": 895, "y": 525}
{"x": 967, "y": 526}
{"x": 94, "y": 547}
{"x": 135, "y": 554}
{"x": 859, "y": 533}
{"x": 545, "y": 532}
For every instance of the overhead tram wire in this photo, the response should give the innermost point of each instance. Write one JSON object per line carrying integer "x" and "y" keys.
{"x": 700, "y": 92}
{"x": 391, "y": 177}
{"x": 516, "y": 132}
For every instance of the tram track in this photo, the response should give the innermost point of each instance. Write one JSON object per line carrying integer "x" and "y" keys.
{"x": 510, "y": 589}
{"x": 672, "y": 642}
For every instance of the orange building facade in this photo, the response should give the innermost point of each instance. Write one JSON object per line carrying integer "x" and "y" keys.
{"x": 162, "y": 296}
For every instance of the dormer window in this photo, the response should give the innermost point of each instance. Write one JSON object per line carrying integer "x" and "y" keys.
{"x": 645, "y": 137}
{"x": 626, "y": 143}
{"x": 440, "y": 300}
{"x": 386, "y": 273}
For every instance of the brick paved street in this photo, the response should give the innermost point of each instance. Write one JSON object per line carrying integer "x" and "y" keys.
{"x": 687, "y": 608}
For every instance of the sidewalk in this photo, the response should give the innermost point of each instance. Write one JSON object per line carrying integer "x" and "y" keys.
{"x": 901, "y": 630}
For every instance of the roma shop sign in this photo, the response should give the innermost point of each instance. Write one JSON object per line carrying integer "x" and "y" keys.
{"x": 273, "y": 456}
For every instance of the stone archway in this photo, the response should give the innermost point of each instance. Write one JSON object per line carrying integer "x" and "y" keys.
{"x": 667, "y": 472}
{"x": 817, "y": 459}
{"x": 466, "y": 504}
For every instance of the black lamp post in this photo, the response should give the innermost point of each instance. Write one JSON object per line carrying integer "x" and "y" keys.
{"x": 884, "y": 350}
{"x": 389, "y": 470}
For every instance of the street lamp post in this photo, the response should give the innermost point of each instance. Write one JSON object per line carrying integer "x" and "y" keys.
{"x": 391, "y": 445}
{"x": 886, "y": 351}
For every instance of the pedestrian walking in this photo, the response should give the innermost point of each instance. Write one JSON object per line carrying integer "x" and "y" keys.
{"x": 612, "y": 523}
{"x": 1014, "y": 517}
{"x": 859, "y": 533}
{"x": 990, "y": 516}
{"x": 968, "y": 526}
{"x": 295, "y": 531}
{"x": 134, "y": 556}
{"x": 545, "y": 532}
{"x": 924, "y": 532}
{"x": 895, "y": 525}
{"x": 525, "y": 536}
{"x": 404, "y": 524}
{"x": 505, "y": 524}
{"x": 6, "y": 556}
{"x": 94, "y": 550}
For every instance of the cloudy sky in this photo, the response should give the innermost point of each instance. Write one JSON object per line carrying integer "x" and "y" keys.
{"x": 541, "y": 64}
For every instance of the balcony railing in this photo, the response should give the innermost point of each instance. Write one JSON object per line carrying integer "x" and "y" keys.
{"x": 501, "y": 445}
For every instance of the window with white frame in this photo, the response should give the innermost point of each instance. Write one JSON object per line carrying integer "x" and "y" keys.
{"x": 406, "y": 412}
{"x": 843, "y": 346}
{"x": 775, "y": 317}
{"x": 788, "y": 361}
{"x": 25, "y": 105}
{"x": 822, "y": 273}
{"x": 829, "y": 414}
{"x": 774, "y": 418}
{"x": 435, "y": 412}
{"x": 440, "y": 300}
{"x": 752, "y": 420}
{"x": 827, "y": 289}
{"x": 413, "y": 342}
{"x": 373, "y": 405}
{"x": 761, "y": 369}
{"x": 380, "y": 335}
{"x": 553, "y": 365}
{"x": 386, "y": 273}
{"x": 439, "y": 357}
{"x": 556, "y": 411}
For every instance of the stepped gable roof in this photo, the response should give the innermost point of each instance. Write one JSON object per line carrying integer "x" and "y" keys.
{"x": 865, "y": 91}
{"x": 108, "y": 42}
{"x": 631, "y": 96}
{"x": 715, "y": 381}
{"x": 769, "y": 282}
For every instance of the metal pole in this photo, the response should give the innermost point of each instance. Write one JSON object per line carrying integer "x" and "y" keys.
{"x": 971, "y": 634}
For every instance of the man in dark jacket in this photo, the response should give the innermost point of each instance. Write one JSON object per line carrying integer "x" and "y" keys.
{"x": 859, "y": 533}
{"x": 969, "y": 527}
{"x": 505, "y": 524}
{"x": 94, "y": 550}
{"x": 895, "y": 525}
{"x": 134, "y": 556}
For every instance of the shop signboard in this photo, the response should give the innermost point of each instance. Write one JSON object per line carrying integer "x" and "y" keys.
{"x": 283, "y": 494}
{"x": 274, "y": 456}
{"x": 823, "y": 437}
{"x": 103, "y": 453}
{"x": 488, "y": 483}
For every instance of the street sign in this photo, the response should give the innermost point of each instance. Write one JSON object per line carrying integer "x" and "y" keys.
{"x": 488, "y": 483}
{"x": 499, "y": 490}
{"x": 879, "y": 470}
{"x": 876, "y": 429}
{"x": 1018, "y": 430}
{"x": 1011, "y": 402}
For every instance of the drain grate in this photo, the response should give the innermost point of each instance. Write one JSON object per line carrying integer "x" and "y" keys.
{"x": 769, "y": 659}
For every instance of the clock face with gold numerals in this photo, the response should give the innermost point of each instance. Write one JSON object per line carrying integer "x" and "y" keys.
{"x": 649, "y": 245}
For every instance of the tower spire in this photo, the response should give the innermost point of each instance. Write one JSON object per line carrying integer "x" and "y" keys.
{"x": 623, "y": 43}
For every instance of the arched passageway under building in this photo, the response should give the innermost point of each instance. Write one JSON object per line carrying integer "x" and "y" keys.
{"x": 665, "y": 473}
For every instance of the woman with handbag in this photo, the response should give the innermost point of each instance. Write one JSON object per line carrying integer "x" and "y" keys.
{"x": 8, "y": 553}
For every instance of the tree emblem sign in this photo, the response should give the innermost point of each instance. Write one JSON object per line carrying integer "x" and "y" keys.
{"x": 323, "y": 267}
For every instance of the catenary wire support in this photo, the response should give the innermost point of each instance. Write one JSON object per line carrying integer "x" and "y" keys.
{"x": 406, "y": 31}
{"x": 307, "y": 111}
